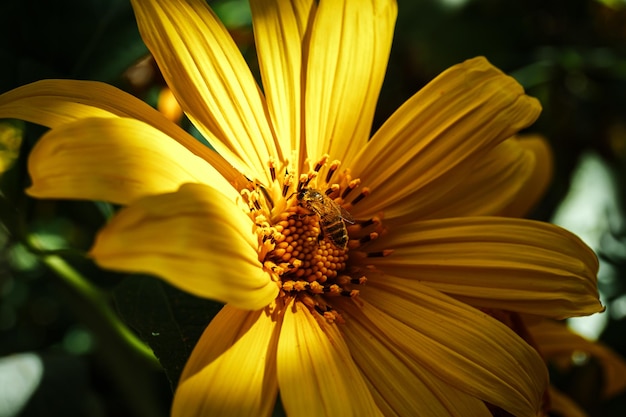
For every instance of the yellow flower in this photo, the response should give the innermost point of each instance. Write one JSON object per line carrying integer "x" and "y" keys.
{"x": 383, "y": 324}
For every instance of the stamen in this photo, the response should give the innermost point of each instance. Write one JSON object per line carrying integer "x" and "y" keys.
{"x": 304, "y": 180}
{"x": 333, "y": 289}
{"x": 367, "y": 223}
{"x": 359, "y": 281}
{"x": 331, "y": 169}
{"x": 300, "y": 285}
{"x": 272, "y": 166}
{"x": 287, "y": 183}
{"x": 245, "y": 193}
{"x": 316, "y": 287}
{"x": 269, "y": 199}
{"x": 364, "y": 193}
{"x": 320, "y": 163}
{"x": 368, "y": 238}
{"x": 332, "y": 316}
{"x": 334, "y": 188}
{"x": 351, "y": 186}
{"x": 379, "y": 254}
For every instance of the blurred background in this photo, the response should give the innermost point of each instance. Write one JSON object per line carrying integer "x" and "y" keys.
{"x": 570, "y": 54}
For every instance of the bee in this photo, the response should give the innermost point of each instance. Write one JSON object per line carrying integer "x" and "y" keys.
{"x": 332, "y": 215}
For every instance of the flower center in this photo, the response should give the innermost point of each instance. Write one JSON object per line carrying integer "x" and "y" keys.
{"x": 305, "y": 232}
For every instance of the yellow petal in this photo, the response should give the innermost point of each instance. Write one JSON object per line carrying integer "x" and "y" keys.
{"x": 279, "y": 31}
{"x": 232, "y": 369}
{"x": 557, "y": 343}
{"x": 433, "y": 141}
{"x": 114, "y": 159}
{"x": 460, "y": 345}
{"x": 535, "y": 186}
{"x": 492, "y": 183}
{"x": 490, "y": 186}
{"x": 496, "y": 262}
{"x": 196, "y": 239}
{"x": 348, "y": 54}
{"x": 52, "y": 103}
{"x": 401, "y": 387}
{"x": 316, "y": 375}
{"x": 210, "y": 79}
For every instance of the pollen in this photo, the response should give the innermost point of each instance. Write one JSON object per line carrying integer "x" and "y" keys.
{"x": 299, "y": 237}
{"x": 305, "y": 231}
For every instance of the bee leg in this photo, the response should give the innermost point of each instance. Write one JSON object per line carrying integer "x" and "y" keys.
{"x": 303, "y": 215}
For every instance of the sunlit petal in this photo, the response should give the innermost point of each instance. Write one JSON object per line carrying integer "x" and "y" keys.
{"x": 196, "y": 239}
{"x": 232, "y": 369}
{"x": 460, "y": 345}
{"x": 340, "y": 94}
{"x": 316, "y": 375}
{"x": 536, "y": 184}
{"x": 279, "y": 30}
{"x": 116, "y": 160}
{"x": 402, "y": 387}
{"x": 52, "y": 103}
{"x": 510, "y": 264}
{"x": 492, "y": 184}
{"x": 434, "y": 140}
{"x": 210, "y": 79}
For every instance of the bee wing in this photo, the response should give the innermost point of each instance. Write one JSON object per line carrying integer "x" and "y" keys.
{"x": 347, "y": 217}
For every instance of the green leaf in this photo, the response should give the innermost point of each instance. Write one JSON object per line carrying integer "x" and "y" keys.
{"x": 170, "y": 321}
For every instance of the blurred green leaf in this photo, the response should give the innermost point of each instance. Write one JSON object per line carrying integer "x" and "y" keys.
{"x": 233, "y": 13}
{"x": 39, "y": 39}
{"x": 11, "y": 133}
